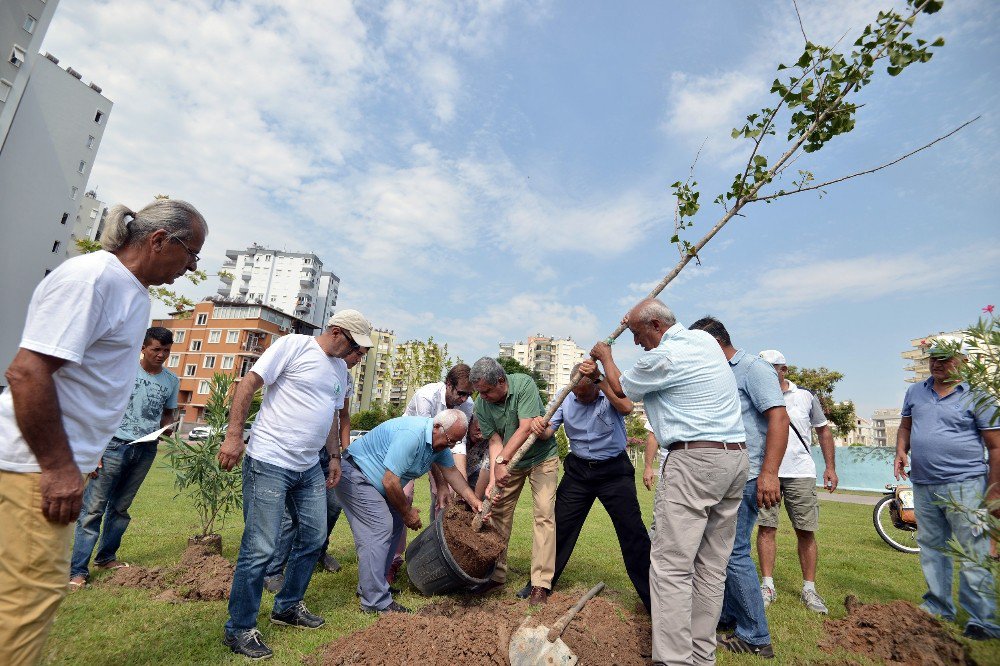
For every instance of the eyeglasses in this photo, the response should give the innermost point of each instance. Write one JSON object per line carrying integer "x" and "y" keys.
{"x": 193, "y": 255}
{"x": 461, "y": 394}
{"x": 354, "y": 345}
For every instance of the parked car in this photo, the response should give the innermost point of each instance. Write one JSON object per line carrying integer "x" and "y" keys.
{"x": 199, "y": 433}
{"x": 357, "y": 433}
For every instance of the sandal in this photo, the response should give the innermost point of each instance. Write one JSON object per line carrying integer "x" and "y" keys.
{"x": 75, "y": 585}
{"x": 112, "y": 565}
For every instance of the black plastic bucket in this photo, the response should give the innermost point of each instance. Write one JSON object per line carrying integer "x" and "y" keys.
{"x": 431, "y": 567}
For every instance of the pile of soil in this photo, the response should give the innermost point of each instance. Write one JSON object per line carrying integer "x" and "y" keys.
{"x": 201, "y": 575}
{"x": 475, "y": 552}
{"x": 478, "y": 631}
{"x": 897, "y": 633}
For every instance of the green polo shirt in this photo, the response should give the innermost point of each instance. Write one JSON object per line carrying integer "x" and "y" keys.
{"x": 522, "y": 402}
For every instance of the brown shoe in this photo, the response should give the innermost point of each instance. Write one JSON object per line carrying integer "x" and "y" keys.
{"x": 539, "y": 595}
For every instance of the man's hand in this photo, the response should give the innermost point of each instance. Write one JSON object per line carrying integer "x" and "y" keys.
{"x": 501, "y": 474}
{"x": 62, "y": 493}
{"x": 589, "y": 369}
{"x": 899, "y": 467}
{"x": 830, "y": 480}
{"x": 412, "y": 519}
{"x": 443, "y": 497}
{"x": 477, "y": 506}
{"x": 333, "y": 476}
{"x": 93, "y": 475}
{"x": 538, "y": 426}
{"x": 231, "y": 451}
{"x": 600, "y": 351}
{"x": 647, "y": 477}
{"x": 768, "y": 490}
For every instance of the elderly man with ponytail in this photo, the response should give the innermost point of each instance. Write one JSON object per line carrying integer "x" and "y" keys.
{"x": 70, "y": 383}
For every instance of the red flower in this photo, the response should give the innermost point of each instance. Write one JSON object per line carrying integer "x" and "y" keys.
{"x": 988, "y": 309}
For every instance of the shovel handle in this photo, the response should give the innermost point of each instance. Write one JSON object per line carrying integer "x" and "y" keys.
{"x": 561, "y": 624}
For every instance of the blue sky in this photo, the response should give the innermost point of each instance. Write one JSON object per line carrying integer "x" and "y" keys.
{"x": 485, "y": 171}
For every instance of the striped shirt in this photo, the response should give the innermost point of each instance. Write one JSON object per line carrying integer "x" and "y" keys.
{"x": 688, "y": 389}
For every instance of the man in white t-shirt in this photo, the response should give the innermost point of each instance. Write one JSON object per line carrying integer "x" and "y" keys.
{"x": 70, "y": 383}
{"x": 306, "y": 379}
{"x": 797, "y": 476}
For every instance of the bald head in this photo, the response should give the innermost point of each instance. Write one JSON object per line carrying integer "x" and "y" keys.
{"x": 648, "y": 321}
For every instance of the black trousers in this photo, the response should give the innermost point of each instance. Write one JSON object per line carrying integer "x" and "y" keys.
{"x": 613, "y": 483}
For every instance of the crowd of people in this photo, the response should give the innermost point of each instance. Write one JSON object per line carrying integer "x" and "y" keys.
{"x": 730, "y": 437}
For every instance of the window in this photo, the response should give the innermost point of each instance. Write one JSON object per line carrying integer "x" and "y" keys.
{"x": 179, "y": 336}
{"x": 201, "y": 319}
{"x": 16, "y": 56}
{"x": 232, "y": 337}
{"x": 173, "y": 361}
{"x": 190, "y": 369}
{"x": 209, "y": 362}
{"x": 214, "y": 336}
{"x": 196, "y": 345}
{"x": 73, "y": 191}
{"x": 90, "y": 142}
{"x": 29, "y": 24}
{"x": 203, "y": 387}
{"x": 55, "y": 246}
{"x": 93, "y": 214}
{"x": 82, "y": 167}
{"x": 64, "y": 218}
{"x": 227, "y": 362}
{"x": 5, "y": 87}
{"x": 99, "y": 116}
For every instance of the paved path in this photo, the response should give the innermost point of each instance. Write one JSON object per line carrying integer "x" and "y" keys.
{"x": 870, "y": 500}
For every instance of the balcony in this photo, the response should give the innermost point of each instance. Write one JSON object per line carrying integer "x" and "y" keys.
{"x": 244, "y": 289}
{"x": 223, "y": 291}
{"x": 226, "y": 277}
{"x": 307, "y": 282}
{"x": 253, "y": 346}
{"x": 246, "y": 275}
{"x": 229, "y": 263}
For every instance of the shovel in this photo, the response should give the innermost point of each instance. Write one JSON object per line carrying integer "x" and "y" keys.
{"x": 541, "y": 645}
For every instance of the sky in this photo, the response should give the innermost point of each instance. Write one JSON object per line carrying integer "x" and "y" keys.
{"x": 484, "y": 171}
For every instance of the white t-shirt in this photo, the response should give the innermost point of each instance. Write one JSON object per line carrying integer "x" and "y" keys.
{"x": 429, "y": 401}
{"x": 304, "y": 388}
{"x": 805, "y": 413}
{"x": 92, "y": 312}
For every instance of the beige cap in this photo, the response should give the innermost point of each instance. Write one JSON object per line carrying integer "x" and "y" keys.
{"x": 354, "y": 323}
{"x": 773, "y": 356}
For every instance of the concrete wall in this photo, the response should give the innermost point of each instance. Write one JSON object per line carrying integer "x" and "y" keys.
{"x": 12, "y": 16}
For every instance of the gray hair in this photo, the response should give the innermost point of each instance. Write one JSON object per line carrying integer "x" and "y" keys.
{"x": 126, "y": 227}
{"x": 488, "y": 370}
{"x": 653, "y": 308}
{"x": 448, "y": 417}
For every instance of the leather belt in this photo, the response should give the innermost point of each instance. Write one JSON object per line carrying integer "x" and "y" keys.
{"x": 730, "y": 446}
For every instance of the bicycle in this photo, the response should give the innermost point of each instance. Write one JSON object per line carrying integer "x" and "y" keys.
{"x": 895, "y": 520}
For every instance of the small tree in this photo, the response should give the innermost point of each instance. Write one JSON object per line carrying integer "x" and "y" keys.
{"x": 820, "y": 381}
{"x": 215, "y": 492}
{"x": 513, "y": 366}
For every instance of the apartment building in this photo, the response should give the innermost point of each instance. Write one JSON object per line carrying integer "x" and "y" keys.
{"x": 89, "y": 222}
{"x": 863, "y": 434}
{"x": 224, "y": 336}
{"x": 553, "y": 358}
{"x": 23, "y": 24}
{"x": 919, "y": 354}
{"x": 372, "y": 377}
{"x": 293, "y": 282}
{"x": 885, "y": 425}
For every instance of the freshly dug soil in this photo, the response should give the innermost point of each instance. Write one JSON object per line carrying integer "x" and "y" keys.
{"x": 897, "y": 633}
{"x": 475, "y": 552}
{"x": 201, "y": 575}
{"x": 478, "y": 631}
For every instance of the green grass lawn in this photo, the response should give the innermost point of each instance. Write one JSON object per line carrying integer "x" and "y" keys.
{"x": 101, "y": 625}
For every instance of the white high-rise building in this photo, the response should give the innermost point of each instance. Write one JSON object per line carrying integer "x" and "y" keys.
{"x": 51, "y": 125}
{"x": 293, "y": 282}
{"x": 553, "y": 358}
{"x": 89, "y": 223}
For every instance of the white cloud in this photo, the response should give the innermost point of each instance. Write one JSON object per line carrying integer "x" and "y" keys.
{"x": 702, "y": 105}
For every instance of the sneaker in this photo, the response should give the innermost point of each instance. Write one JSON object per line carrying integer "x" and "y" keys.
{"x": 524, "y": 592}
{"x": 298, "y": 616}
{"x": 769, "y": 594}
{"x": 814, "y": 602}
{"x": 329, "y": 563}
{"x": 273, "y": 584}
{"x": 249, "y": 644}
{"x": 737, "y": 645}
{"x": 394, "y": 607}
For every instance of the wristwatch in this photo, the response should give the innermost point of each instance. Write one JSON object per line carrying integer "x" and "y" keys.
{"x": 500, "y": 460}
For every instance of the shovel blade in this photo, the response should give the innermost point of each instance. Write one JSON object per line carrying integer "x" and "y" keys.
{"x": 531, "y": 647}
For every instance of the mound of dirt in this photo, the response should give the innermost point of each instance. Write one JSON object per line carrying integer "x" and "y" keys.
{"x": 475, "y": 552}
{"x": 897, "y": 633}
{"x": 478, "y": 631}
{"x": 201, "y": 575}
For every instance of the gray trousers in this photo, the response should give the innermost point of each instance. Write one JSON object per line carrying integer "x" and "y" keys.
{"x": 695, "y": 509}
{"x": 377, "y": 529}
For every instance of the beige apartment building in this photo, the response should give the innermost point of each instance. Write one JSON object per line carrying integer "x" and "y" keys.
{"x": 553, "y": 358}
{"x": 372, "y": 377}
{"x": 919, "y": 354}
{"x": 885, "y": 425}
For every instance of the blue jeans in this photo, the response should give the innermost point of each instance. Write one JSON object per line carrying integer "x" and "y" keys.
{"x": 936, "y": 525}
{"x": 377, "y": 528}
{"x": 288, "y": 526}
{"x": 742, "y": 603}
{"x": 267, "y": 491}
{"x": 108, "y": 498}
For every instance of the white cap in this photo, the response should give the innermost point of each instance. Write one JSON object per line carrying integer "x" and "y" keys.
{"x": 773, "y": 356}
{"x": 354, "y": 323}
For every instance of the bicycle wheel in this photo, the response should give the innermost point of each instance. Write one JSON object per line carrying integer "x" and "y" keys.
{"x": 904, "y": 541}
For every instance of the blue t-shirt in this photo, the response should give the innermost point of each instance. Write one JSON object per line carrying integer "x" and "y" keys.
{"x": 150, "y": 396}
{"x": 760, "y": 390}
{"x": 402, "y": 446}
{"x": 595, "y": 431}
{"x": 945, "y": 440}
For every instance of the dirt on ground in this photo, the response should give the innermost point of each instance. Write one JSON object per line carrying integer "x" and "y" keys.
{"x": 477, "y": 630}
{"x": 201, "y": 575}
{"x": 896, "y": 633}
{"x": 474, "y": 551}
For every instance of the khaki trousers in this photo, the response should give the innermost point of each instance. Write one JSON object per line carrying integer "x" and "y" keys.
{"x": 544, "y": 479}
{"x": 695, "y": 508}
{"x": 34, "y": 569}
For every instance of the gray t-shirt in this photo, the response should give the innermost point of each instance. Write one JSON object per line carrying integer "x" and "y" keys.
{"x": 150, "y": 396}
